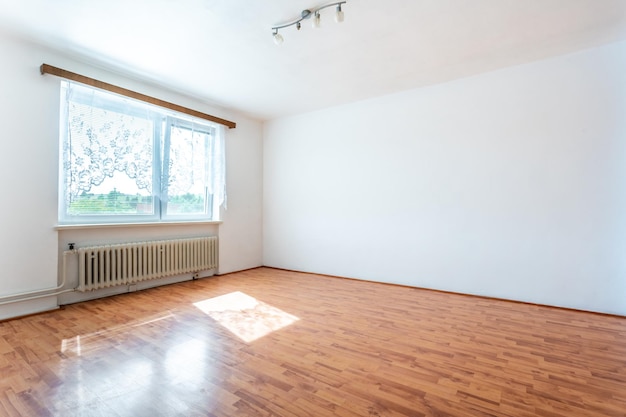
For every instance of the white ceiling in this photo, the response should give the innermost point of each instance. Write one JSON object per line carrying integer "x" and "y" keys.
{"x": 222, "y": 51}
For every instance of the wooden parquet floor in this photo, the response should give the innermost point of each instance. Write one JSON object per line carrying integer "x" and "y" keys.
{"x": 268, "y": 342}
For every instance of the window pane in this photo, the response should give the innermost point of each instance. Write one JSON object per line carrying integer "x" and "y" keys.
{"x": 188, "y": 171}
{"x": 109, "y": 162}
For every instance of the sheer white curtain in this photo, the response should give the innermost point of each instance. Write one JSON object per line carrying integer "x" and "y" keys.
{"x": 107, "y": 149}
{"x": 218, "y": 172}
{"x": 125, "y": 158}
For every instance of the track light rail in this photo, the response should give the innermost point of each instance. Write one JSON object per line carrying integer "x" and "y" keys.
{"x": 307, "y": 14}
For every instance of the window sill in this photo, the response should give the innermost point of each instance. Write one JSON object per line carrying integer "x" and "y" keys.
{"x": 147, "y": 224}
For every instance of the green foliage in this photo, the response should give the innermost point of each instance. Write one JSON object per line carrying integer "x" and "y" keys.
{"x": 186, "y": 203}
{"x": 116, "y": 203}
{"x": 112, "y": 203}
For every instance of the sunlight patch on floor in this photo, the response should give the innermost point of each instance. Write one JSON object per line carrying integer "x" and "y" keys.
{"x": 246, "y": 317}
{"x": 72, "y": 345}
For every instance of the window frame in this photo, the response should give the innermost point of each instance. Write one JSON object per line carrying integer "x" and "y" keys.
{"x": 163, "y": 121}
{"x": 171, "y": 122}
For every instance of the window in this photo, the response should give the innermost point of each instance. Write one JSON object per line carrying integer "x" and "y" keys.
{"x": 125, "y": 161}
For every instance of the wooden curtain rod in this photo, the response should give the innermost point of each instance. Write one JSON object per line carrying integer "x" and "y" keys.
{"x": 49, "y": 69}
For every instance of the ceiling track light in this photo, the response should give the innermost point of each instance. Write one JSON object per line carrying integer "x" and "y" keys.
{"x": 307, "y": 14}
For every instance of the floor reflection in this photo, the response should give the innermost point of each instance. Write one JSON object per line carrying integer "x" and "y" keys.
{"x": 186, "y": 362}
{"x": 82, "y": 344}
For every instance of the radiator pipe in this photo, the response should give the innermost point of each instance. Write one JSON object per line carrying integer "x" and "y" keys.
{"x": 24, "y": 296}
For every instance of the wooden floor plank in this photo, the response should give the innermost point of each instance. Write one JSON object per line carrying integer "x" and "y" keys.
{"x": 355, "y": 349}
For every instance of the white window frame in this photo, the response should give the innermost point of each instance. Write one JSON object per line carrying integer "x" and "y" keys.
{"x": 162, "y": 119}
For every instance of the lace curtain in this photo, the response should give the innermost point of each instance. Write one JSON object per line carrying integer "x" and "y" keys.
{"x": 192, "y": 146}
{"x": 109, "y": 145}
{"x": 101, "y": 142}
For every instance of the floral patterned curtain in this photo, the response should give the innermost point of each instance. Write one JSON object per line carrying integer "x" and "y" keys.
{"x": 102, "y": 141}
{"x": 123, "y": 157}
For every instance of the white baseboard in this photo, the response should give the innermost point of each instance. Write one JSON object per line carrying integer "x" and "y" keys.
{"x": 25, "y": 308}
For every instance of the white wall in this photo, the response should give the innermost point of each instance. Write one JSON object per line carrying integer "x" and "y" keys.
{"x": 510, "y": 184}
{"x": 29, "y": 243}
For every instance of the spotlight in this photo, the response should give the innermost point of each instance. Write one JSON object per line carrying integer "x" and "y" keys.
{"x": 316, "y": 20}
{"x": 278, "y": 38}
{"x": 339, "y": 14}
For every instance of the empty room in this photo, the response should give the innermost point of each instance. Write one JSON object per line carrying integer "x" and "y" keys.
{"x": 293, "y": 208}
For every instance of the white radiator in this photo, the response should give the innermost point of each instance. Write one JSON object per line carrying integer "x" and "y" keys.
{"x": 129, "y": 263}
